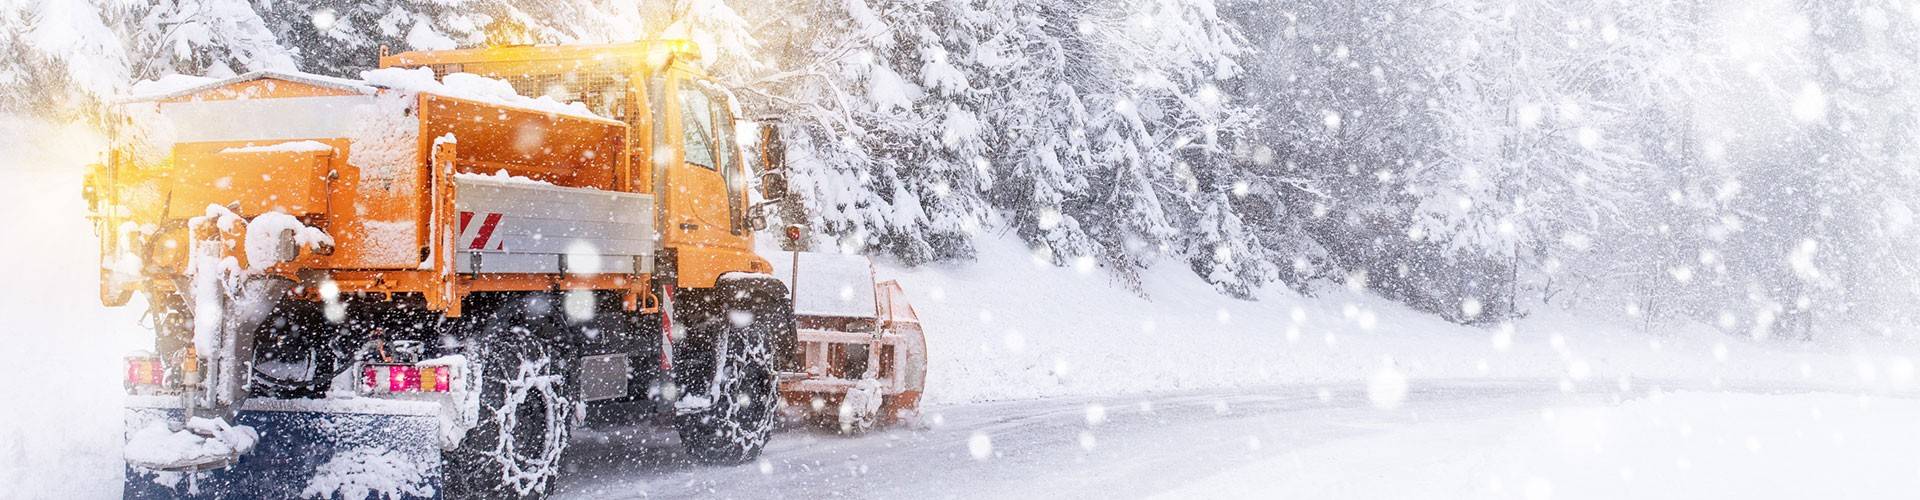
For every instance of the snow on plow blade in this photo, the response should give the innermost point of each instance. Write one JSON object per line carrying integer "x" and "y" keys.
{"x": 307, "y": 449}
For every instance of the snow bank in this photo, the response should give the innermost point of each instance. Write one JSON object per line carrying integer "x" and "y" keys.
{"x": 1680, "y": 446}
{"x": 471, "y": 87}
{"x": 1011, "y": 326}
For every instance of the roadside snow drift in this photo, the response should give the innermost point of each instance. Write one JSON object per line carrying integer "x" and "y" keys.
{"x": 1010, "y": 326}
{"x": 1678, "y": 446}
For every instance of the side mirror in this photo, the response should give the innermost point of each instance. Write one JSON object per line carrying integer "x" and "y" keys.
{"x": 757, "y": 220}
{"x": 757, "y": 214}
{"x": 773, "y": 161}
{"x": 773, "y": 185}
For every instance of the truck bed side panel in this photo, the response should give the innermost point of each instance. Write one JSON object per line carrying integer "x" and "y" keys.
{"x": 523, "y": 227}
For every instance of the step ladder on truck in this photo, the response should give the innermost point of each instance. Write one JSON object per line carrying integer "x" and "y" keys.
{"x": 423, "y": 281}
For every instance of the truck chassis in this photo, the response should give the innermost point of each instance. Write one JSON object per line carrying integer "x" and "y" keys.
{"x": 400, "y": 274}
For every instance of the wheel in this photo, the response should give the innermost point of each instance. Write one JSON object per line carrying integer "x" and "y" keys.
{"x": 728, "y": 411}
{"x": 525, "y": 410}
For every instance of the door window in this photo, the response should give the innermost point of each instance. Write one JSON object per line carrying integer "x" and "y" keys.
{"x": 727, "y": 157}
{"x": 696, "y": 124}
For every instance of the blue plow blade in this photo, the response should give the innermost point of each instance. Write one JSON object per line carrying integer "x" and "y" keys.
{"x": 308, "y": 454}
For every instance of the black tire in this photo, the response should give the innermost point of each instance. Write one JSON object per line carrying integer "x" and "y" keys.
{"x": 729, "y": 363}
{"x": 526, "y": 408}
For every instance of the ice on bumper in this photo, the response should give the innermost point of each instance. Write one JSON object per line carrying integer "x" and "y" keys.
{"x": 202, "y": 443}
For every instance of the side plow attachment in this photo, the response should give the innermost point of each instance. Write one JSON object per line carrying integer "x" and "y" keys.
{"x": 862, "y": 354}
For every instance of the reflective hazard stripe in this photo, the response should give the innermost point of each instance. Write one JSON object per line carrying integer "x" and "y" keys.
{"x": 666, "y": 327}
{"x": 486, "y": 232}
{"x": 478, "y": 237}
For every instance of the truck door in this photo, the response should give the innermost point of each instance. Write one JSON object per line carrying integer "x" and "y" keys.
{"x": 704, "y": 220}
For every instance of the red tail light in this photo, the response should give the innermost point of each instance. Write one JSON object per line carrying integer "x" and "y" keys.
{"x": 144, "y": 371}
{"x": 390, "y": 378}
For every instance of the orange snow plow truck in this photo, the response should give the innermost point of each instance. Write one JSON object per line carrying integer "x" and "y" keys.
{"x": 420, "y": 282}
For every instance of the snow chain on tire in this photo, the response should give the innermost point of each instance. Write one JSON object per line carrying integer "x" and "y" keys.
{"x": 524, "y": 474}
{"x": 738, "y": 385}
{"x": 522, "y": 387}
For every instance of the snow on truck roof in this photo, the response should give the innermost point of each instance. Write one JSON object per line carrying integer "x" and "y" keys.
{"x": 171, "y": 86}
{"x": 633, "y": 51}
{"x": 412, "y": 80}
{"x": 470, "y": 87}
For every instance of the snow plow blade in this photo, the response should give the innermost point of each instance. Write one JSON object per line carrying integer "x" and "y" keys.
{"x": 305, "y": 451}
{"x": 862, "y": 353}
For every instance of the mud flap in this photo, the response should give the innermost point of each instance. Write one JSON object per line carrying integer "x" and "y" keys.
{"x": 308, "y": 454}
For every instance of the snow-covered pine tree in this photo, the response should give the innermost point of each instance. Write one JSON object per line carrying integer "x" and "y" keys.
{"x": 343, "y": 38}
{"x": 1531, "y": 171}
{"x": 1133, "y": 227}
{"x": 1081, "y": 120}
{"x": 1025, "y": 57}
{"x": 889, "y": 150}
{"x": 215, "y": 38}
{"x": 64, "y": 56}
{"x": 1159, "y": 124}
{"x": 1348, "y": 91}
{"x": 1836, "y": 211}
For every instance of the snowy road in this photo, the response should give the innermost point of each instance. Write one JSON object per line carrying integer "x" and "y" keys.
{"x": 1447, "y": 439}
